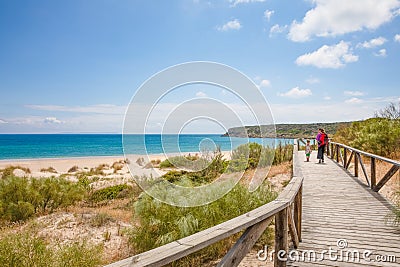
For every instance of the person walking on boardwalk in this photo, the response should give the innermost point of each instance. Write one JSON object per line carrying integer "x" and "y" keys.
{"x": 308, "y": 150}
{"x": 322, "y": 139}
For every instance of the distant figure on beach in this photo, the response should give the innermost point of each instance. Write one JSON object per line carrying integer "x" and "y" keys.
{"x": 322, "y": 139}
{"x": 308, "y": 150}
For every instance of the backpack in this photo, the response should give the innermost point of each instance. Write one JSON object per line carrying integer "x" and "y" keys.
{"x": 325, "y": 139}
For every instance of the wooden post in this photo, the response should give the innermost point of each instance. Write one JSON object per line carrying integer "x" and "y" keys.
{"x": 386, "y": 178}
{"x": 327, "y": 150}
{"x": 337, "y": 153}
{"x": 292, "y": 228}
{"x": 281, "y": 237}
{"x": 373, "y": 173}
{"x": 344, "y": 157}
{"x": 298, "y": 203}
{"x": 236, "y": 254}
{"x": 355, "y": 165}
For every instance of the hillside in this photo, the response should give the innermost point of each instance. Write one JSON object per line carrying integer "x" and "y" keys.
{"x": 286, "y": 130}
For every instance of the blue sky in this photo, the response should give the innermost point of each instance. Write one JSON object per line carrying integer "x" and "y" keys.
{"x": 73, "y": 66}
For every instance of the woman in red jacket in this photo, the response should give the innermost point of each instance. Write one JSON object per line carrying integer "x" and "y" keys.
{"x": 322, "y": 139}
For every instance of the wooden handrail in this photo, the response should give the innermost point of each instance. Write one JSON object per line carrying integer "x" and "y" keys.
{"x": 286, "y": 209}
{"x": 336, "y": 150}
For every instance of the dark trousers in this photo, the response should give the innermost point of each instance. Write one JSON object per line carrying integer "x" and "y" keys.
{"x": 321, "y": 150}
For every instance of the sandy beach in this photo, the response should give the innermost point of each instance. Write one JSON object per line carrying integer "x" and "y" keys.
{"x": 64, "y": 165}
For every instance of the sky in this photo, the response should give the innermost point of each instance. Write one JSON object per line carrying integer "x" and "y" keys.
{"x": 74, "y": 66}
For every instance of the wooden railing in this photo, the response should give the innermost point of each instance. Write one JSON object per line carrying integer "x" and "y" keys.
{"x": 345, "y": 154}
{"x": 286, "y": 210}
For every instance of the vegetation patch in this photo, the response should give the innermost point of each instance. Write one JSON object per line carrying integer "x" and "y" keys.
{"x": 8, "y": 171}
{"x": 21, "y": 198}
{"x": 73, "y": 169}
{"x": 100, "y": 219}
{"x": 111, "y": 192}
{"x": 49, "y": 169}
{"x": 27, "y": 249}
{"x": 160, "y": 223}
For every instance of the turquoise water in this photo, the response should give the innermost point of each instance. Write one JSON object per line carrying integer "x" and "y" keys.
{"x": 24, "y": 146}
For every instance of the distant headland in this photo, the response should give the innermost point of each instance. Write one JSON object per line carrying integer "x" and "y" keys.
{"x": 307, "y": 130}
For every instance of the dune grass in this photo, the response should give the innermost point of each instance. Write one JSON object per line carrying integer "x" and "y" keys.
{"x": 160, "y": 223}
{"x": 27, "y": 249}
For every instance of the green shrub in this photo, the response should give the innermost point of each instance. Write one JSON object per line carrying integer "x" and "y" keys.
{"x": 20, "y": 197}
{"x": 19, "y": 211}
{"x": 174, "y": 176}
{"x": 26, "y": 249}
{"x": 253, "y": 155}
{"x": 111, "y": 192}
{"x": 193, "y": 163}
{"x": 377, "y": 135}
{"x": 78, "y": 254}
{"x": 166, "y": 164}
{"x": 214, "y": 168}
{"x": 161, "y": 223}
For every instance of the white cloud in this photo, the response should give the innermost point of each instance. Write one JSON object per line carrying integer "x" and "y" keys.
{"x": 327, "y": 98}
{"x": 296, "y": 93}
{"x": 230, "y": 25}
{"x": 354, "y": 100}
{"x": 52, "y": 120}
{"x": 265, "y": 83}
{"x": 237, "y": 2}
{"x": 312, "y": 80}
{"x": 3, "y": 121}
{"x": 277, "y": 29}
{"x": 268, "y": 14}
{"x": 101, "y": 109}
{"x": 335, "y": 56}
{"x": 201, "y": 94}
{"x": 397, "y": 38}
{"x": 373, "y": 43}
{"x": 333, "y": 18}
{"x": 329, "y": 111}
{"x": 354, "y": 93}
{"x": 381, "y": 53}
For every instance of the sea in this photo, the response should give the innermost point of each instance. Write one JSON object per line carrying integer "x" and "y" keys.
{"x": 33, "y": 146}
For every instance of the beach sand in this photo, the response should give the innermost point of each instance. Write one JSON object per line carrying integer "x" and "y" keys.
{"x": 63, "y": 165}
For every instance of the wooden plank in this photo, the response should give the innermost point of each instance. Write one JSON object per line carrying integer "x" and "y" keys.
{"x": 334, "y": 206}
{"x": 281, "y": 236}
{"x": 341, "y": 156}
{"x": 298, "y": 207}
{"x": 363, "y": 168}
{"x": 337, "y": 153}
{"x": 349, "y": 161}
{"x": 236, "y": 254}
{"x": 391, "y": 161}
{"x": 373, "y": 173}
{"x": 355, "y": 165}
{"x": 292, "y": 228}
{"x": 386, "y": 178}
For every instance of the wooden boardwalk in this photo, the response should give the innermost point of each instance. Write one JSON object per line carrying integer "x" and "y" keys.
{"x": 337, "y": 206}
